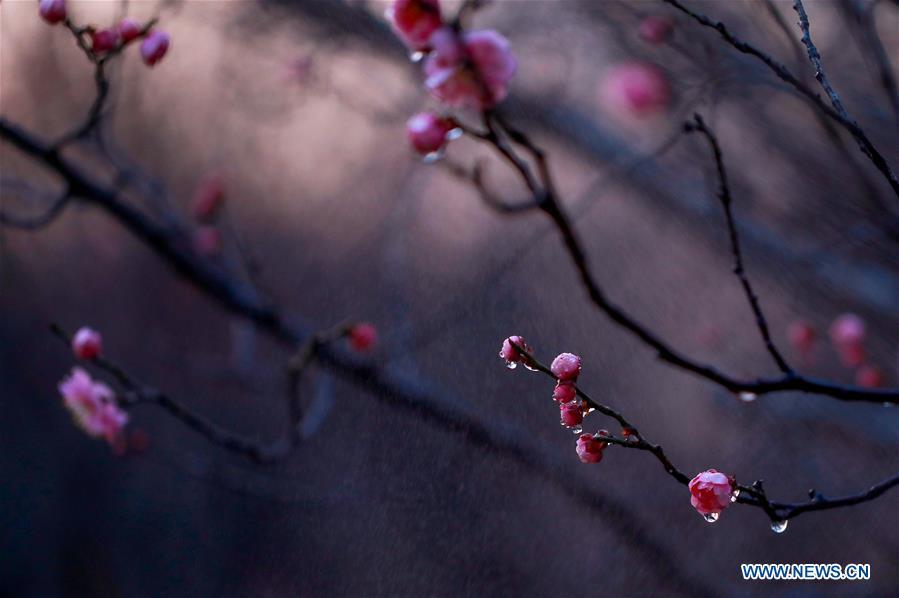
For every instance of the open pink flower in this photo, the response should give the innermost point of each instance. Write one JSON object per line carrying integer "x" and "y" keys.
{"x": 415, "y": 20}
{"x": 52, "y": 11}
{"x": 589, "y": 448}
{"x": 427, "y": 132}
{"x": 471, "y": 69}
{"x": 711, "y": 492}
{"x": 129, "y": 29}
{"x": 154, "y": 47}
{"x": 636, "y": 89}
{"x": 93, "y": 406}
{"x": 363, "y": 336}
{"x": 566, "y": 366}
{"x": 87, "y": 343}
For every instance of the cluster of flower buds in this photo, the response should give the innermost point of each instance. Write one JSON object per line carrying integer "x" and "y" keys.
{"x": 463, "y": 69}
{"x": 848, "y": 334}
{"x": 154, "y": 46}
{"x": 93, "y": 406}
{"x": 362, "y": 336}
{"x": 711, "y": 492}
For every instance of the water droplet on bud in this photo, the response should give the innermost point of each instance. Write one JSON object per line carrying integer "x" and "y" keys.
{"x": 779, "y": 527}
{"x": 453, "y": 134}
{"x": 735, "y": 495}
{"x": 511, "y": 365}
{"x": 711, "y": 517}
{"x": 416, "y": 56}
{"x": 747, "y": 397}
{"x": 433, "y": 156}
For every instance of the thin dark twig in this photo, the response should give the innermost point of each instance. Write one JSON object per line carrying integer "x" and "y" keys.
{"x": 136, "y": 394}
{"x": 724, "y": 195}
{"x": 547, "y": 201}
{"x": 752, "y": 495}
{"x": 783, "y": 73}
{"x": 863, "y": 19}
{"x": 39, "y": 221}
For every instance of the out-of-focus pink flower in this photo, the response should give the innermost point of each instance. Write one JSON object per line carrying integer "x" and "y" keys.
{"x": 52, "y": 11}
{"x": 589, "y": 448}
{"x": 869, "y": 376}
{"x": 363, "y": 336}
{"x": 636, "y": 89}
{"x": 655, "y": 29}
{"x": 209, "y": 196}
{"x": 564, "y": 392}
{"x": 104, "y": 40}
{"x": 571, "y": 413}
{"x": 208, "y": 240}
{"x": 802, "y": 336}
{"x": 129, "y": 29}
{"x": 87, "y": 343}
{"x": 427, "y": 132}
{"x": 566, "y": 367}
{"x": 471, "y": 69}
{"x": 154, "y": 47}
{"x": 847, "y": 329}
{"x": 415, "y": 20}
{"x": 93, "y": 406}
{"x": 852, "y": 355}
{"x": 711, "y": 492}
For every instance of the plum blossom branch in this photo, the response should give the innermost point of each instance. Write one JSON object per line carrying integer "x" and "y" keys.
{"x": 752, "y": 495}
{"x": 137, "y": 394}
{"x": 783, "y": 73}
{"x": 724, "y": 195}
{"x": 545, "y": 198}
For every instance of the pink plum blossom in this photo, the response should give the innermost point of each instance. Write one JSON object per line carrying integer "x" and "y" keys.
{"x": 154, "y": 47}
{"x": 93, "y": 406}
{"x": 711, "y": 492}
{"x": 209, "y": 196}
{"x": 589, "y": 448}
{"x": 571, "y": 413}
{"x": 847, "y": 329}
{"x": 636, "y": 89}
{"x": 564, "y": 392}
{"x": 129, "y": 29}
{"x": 415, "y": 20}
{"x": 566, "y": 367}
{"x": 87, "y": 343}
{"x": 655, "y": 30}
{"x": 52, "y": 11}
{"x": 869, "y": 376}
{"x": 104, "y": 40}
{"x": 509, "y": 353}
{"x": 427, "y": 132}
{"x": 802, "y": 336}
{"x": 362, "y": 336}
{"x": 471, "y": 69}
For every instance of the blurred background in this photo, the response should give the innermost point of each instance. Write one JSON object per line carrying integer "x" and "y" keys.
{"x": 301, "y": 108}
